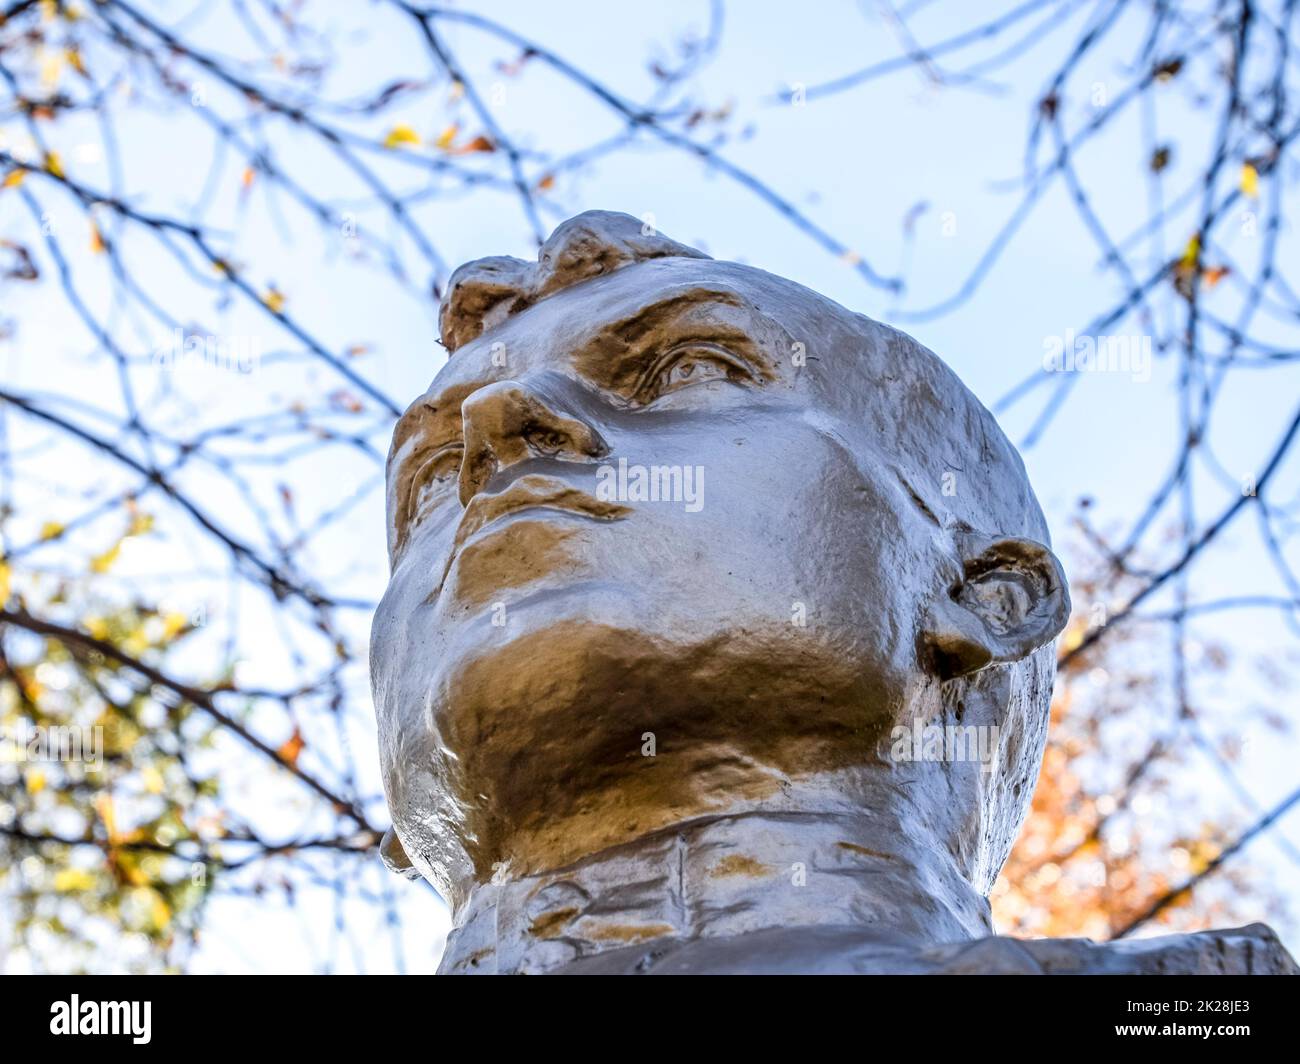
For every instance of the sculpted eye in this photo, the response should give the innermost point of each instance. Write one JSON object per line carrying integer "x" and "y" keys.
{"x": 684, "y": 366}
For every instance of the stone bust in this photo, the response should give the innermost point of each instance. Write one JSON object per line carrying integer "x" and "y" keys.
{"x": 719, "y": 633}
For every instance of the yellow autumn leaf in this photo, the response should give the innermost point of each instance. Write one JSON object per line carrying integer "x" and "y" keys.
{"x": 140, "y": 524}
{"x": 136, "y": 642}
{"x": 76, "y": 62}
{"x": 52, "y": 530}
{"x": 152, "y": 779}
{"x": 102, "y": 563}
{"x": 447, "y": 137}
{"x": 97, "y": 627}
{"x": 35, "y": 780}
{"x": 173, "y": 625}
{"x": 67, "y": 880}
{"x": 401, "y": 134}
{"x": 51, "y": 68}
{"x": 96, "y": 240}
{"x": 291, "y": 749}
{"x": 54, "y": 164}
{"x": 104, "y": 807}
{"x": 13, "y": 178}
{"x": 1213, "y": 275}
{"x": 5, "y": 586}
{"x": 274, "y": 299}
{"x": 1249, "y": 181}
{"x": 160, "y": 913}
{"x": 1192, "y": 250}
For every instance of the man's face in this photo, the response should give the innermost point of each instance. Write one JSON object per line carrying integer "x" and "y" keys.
{"x": 639, "y": 509}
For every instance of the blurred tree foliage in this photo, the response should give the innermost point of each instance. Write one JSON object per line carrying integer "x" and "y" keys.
{"x": 1113, "y": 840}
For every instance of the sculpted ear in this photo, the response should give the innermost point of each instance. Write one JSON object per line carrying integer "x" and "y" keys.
{"x": 1012, "y": 599}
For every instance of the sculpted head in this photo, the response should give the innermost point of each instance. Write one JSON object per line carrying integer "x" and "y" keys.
{"x": 660, "y": 503}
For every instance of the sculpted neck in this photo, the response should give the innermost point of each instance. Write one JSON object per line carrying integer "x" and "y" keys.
{"x": 719, "y": 877}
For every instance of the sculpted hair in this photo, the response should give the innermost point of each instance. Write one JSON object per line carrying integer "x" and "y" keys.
{"x": 485, "y": 292}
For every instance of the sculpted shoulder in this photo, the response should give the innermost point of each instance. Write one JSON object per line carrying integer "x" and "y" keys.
{"x": 1250, "y": 950}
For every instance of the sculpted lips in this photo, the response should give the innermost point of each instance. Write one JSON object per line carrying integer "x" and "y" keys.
{"x": 530, "y": 492}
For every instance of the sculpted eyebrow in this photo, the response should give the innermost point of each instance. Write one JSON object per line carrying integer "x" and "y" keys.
{"x": 617, "y": 353}
{"x": 656, "y": 315}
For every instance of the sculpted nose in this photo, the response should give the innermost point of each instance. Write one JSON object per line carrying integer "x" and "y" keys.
{"x": 507, "y": 422}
